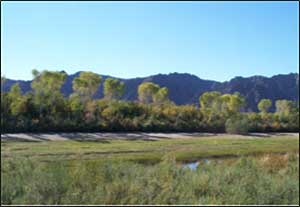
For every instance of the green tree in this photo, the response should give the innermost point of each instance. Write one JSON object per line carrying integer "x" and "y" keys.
{"x": 81, "y": 103}
{"x": 217, "y": 108}
{"x": 113, "y": 88}
{"x": 146, "y": 92}
{"x": 226, "y": 99}
{"x": 48, "y": 99}
{"x": 236, "y": 102}
{"x": 91, "y": 112}
{"x": 161, "y": 96}
{"x": 232, "y": 103}
{"x": 47, "y": 82}
{"x": 237, "y": 125}
{"x": 17, "y": 101}
{"x": 74, "y": 102}
{"x": 86, "y": 85}
{"x": 5, "y": 107}
{"x": 264, "y": 105}
{"x": 284, "y": 107}
{"x": 210, "y": 100}
{"x": 20, "y": 109}
{"x": 5, "y": 112}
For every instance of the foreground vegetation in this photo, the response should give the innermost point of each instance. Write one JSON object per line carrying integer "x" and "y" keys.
{"x": 45, "y": 109}
{"x": 269, "y": 179}
{"x": 253, "y": 170}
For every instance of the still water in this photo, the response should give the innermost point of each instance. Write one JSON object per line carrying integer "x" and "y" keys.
{"x": 194, "y": 165}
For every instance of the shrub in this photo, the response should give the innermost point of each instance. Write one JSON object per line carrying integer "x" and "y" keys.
{"x": 237, "y": 125}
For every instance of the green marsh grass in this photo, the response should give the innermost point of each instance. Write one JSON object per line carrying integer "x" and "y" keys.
{"x": 248, "y": 180}
{"x": 259, "y": 171}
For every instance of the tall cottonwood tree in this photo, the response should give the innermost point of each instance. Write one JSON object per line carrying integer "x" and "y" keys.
{"x": 81, "y": 102}
{"x": 264, "y": 105}
{"x": 284, "y": 107}
{"x": 209, "y": 99}
{"x": 48, "y": 99}
{"x": 15, "y": 95}
{"x": 149, "y": 92}
{"x": 113, "y": 89}
{"x": 161, "y": 96}
{"x": 86, "y": 84}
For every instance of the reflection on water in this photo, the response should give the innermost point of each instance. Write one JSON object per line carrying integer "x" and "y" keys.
{"x": 194, "y": 165}
{"x": 191, "y": 165}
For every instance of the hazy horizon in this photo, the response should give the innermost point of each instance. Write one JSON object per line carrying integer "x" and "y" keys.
{"x": 212, "y": 40}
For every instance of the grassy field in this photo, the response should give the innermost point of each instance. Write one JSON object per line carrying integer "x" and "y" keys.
{"x": 110, "y": 171}
{"x": 151, "y": 150}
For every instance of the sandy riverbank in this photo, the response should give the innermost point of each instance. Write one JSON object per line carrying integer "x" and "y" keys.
{"x": 142, "y": 136}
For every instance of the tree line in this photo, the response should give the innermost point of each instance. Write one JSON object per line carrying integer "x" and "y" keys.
{"x": 45, "y": 109}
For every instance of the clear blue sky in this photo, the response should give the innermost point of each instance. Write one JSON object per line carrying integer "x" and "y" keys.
{"x": 213, "y": 40}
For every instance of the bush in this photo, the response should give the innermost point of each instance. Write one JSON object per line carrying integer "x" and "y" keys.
{"x": 237, "y": 125}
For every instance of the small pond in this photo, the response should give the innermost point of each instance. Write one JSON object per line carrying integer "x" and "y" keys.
{"x": 193, "y": 165}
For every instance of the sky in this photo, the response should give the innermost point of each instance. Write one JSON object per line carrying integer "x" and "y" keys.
{"x": 212, "y": 40}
